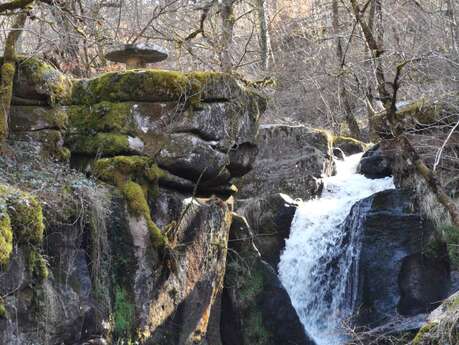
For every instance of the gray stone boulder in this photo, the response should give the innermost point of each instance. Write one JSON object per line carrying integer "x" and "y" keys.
{"x": 376, "y": 162}
{"x": 291, "y": 160}
{"x": 397, "y": 275}
{"x": 197, "y": 126}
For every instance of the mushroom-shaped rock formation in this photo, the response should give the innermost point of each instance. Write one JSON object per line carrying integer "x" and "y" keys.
{"x": 136, "y": 55}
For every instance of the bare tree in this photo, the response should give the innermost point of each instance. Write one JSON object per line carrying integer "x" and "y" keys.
{"x": 8, "y": 69}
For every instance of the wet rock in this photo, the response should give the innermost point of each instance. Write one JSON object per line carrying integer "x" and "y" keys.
{"x": 394, "y": 276}
{"x": 375, "y": 163}
{"x": 423, "y": 282}
{"x": 270, "y": 218}
{"x": 348, "y": 145}
{"x": 256, "y": 309}
{"x": 338, "y": 153}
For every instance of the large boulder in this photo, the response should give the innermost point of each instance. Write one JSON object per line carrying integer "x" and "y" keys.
{"x": 199, "y": 126}
{"x": 38, "y": 83}
{"x": 291, "y": 160}
{"x": 398, "y": 275}
{"x": 376, "y": 162}
{"x": 256, "y": 309}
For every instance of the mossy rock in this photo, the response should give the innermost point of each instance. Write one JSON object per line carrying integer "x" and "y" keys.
{"x": 152, "y": 85}
{"x": 349, "y": 145}
{"x": 104, "y": 144}
{"x": 100, "y": 117}
{"x": 38, "y": 80}
{"x": 6, "y": 236}
{"x": 25, "y": 213}
{"x": 134, "y": 85}
{"x": 21, "y": 219}
{"x": 34, "y": 118}
{"x": 119, "y": 169}
{"x": 123, "y": 172}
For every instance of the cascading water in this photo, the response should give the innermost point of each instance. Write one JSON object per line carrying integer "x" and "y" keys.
{"x": 318, "y": 263}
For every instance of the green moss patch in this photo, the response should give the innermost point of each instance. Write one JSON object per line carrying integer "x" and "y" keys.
{"x": 122, "y": 171}
{"x": 119, "y": 169}
{"x": 21, "y": 219}
{"x": 26, "y": 215}
{"x": 152, "y": 85}
{"x": 105, "y": 144}
{"x": 123, "y": 314}
{"x": 2, "y": 309}
{"x": 6, "y": 237}
{"x": 100, "y": 117}
{"x": 134, "y": 85}
{"x": 451, "y": 237}
{"x": 45, "y": 80}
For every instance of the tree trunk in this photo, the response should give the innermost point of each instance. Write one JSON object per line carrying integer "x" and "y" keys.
{"x": 227, "y": 18}
{"x": 453, "y": 23}
{"x": 7, "y": 72}
{"x": 343, "y": 94}
{"x": 264, "y": 34}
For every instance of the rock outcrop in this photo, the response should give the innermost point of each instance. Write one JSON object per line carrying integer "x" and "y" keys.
{"x": 290, "y": 164}
{"x": 256, "y": 309}
{"x": 291, "y": 160}
{"x": 138, "y": 257}
{"x": 376, "y": 162}
{"x": 398, "y": 272}
{"x": 270, "y": 218}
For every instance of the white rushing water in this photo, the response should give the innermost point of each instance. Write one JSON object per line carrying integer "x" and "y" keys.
{"x": 319, "y": 257}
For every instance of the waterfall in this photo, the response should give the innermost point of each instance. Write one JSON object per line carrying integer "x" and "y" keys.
{"x": 318, "y": 264}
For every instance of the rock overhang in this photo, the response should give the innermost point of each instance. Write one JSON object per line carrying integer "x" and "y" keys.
{"x": 213, "y": 116}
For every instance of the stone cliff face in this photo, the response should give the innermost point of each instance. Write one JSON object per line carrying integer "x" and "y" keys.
{"x": 411, "y": 278}
{"x": 137, "y": 257}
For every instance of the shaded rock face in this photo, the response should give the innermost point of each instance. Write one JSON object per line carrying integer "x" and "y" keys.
{"x": 270, "y": 218}
{"x": 396, "y": 276}
{"x": 114, "y": 283}
{"x": 291, "y": 160}
{"x": 376, "y": 163}
{"x": 423, "y": 282}
{"x": 256, "y": 309}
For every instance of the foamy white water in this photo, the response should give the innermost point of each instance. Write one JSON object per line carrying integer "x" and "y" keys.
{"x": 318, "y": 264}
